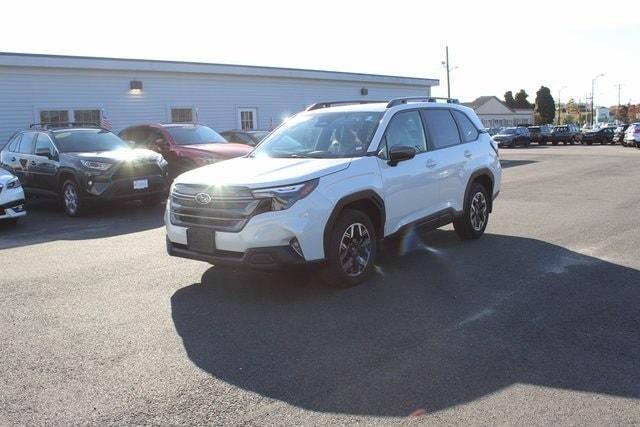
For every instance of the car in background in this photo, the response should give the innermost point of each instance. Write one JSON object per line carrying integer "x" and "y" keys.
{"x": 249, "y": 137}
{"x": 81, "y": 164}
{"x": 11, "y": 198}
{"x": 618, "y": 134}
{"x": 632, "y": 135}
{"x": 493, "y": 131}
{"x": 513, "y": 136}
{"x": 599, "y": 136}
{"x": 567, "y": 134}
{"x": 540, "y": 134}
{"x": 184, "y": 146}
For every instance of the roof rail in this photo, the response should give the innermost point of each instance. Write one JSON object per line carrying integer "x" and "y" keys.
{"x": 398, "y": 101}
{"x": 65, "y": 125}
{"x": 319, "y": 105}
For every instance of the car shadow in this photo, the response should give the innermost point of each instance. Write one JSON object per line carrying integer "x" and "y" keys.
{"x": 441, "y": 323}
{"x": 46, "y": 221}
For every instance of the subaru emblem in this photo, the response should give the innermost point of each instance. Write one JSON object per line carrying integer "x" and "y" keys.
{"x": 203, "y": 198}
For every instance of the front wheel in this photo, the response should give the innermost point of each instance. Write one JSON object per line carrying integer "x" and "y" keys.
{"x": 474, "y": 220}
{"x": 352, "y": 250}
{"x": 71, "y": 201}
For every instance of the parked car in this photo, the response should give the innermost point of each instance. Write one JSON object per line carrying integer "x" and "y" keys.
{"x": 82, "y": 164}
{"x": 329, "y": 184}
{"x": 11, "y": 198}
{"x": 540, "y": 134}
{"x": 567, "y": 134}
{"x": 513, "y": 136}
{"x": 632, "y": 135}
{"x": 248, "y": 137}
{"x": 618, "y": 134}
{"x": 184, "y": 146}
{"x": 492, "y": 131}
{"x": 600, "y": 136}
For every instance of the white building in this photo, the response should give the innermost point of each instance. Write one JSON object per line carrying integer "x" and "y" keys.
{"x": 495, "y": 113}
{"x": 48, "y": 88}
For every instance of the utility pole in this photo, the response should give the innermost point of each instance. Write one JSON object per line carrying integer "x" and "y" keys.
{"x": 559, "y": 108}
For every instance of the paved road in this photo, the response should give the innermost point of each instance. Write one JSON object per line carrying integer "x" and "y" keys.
{"x": 536, "y": 323}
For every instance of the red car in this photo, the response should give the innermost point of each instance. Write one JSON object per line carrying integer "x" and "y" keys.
{"x": 184, "y": 145}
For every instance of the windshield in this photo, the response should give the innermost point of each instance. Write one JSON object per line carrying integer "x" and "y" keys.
{"x": 510, "y": 131}
{"x": 321, "y": 135}
{"x": 259, "y": 135}
{"x": 89, "y": 140}
{"x": 192, "y": 135}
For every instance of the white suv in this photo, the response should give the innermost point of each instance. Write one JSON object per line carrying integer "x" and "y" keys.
{"x": 11, "y": 198}
{"x": 330, "y": 183}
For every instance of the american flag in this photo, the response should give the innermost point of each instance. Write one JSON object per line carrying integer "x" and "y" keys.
{"x": 105, "y": 123}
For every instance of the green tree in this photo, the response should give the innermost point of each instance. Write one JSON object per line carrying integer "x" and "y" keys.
{"x": 545, "y": 106}
{"x": 521, "y": 99}
{"x": 508, "y": 99}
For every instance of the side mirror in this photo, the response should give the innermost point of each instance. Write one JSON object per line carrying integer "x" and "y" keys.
{"x": 44, "y": 152}
{"x": 399, "y": 153}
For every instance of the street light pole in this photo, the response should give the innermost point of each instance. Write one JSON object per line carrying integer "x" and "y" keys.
{"x": 559, "y": 109}
{"x": 448, "y": 71}
{"x": 593, "y": 83}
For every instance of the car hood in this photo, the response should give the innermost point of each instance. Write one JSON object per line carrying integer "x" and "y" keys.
{"x": 5, "y": 176}
{"x": 262, "y": 172}
{"x": 116, "y": 156}
{"x": 227, "y": 150}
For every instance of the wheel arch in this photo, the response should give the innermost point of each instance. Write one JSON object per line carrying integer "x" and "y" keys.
{"x": 484, "y": 177}
{"x": 63, "y": 175}
{"x": 367, "y": 201}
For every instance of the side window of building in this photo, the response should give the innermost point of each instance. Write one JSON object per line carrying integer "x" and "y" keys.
{"x": 467, "y": 128}
{"x": 15, "y": 141}
{"x": 442, "y": 127}
{"x": 405, "y": 128}
{"x": 26, "y": 143}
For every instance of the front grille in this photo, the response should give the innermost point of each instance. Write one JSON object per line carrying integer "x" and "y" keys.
{"x": 230, "y": 208}
{"x": 137, "y": 170}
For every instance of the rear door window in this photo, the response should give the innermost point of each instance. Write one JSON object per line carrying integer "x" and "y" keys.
{"x": 26, "y": 143}
{"x": 468, "y": 130}
{"x": 441, "y": 127}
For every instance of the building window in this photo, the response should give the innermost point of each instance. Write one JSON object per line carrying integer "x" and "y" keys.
{"x": 87, "y": 116}
{"x": 54, "y": 116}
{"x": 247, "y": 118}
{"x": 182, "y": 115}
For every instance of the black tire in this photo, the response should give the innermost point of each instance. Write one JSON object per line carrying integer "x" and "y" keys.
{"x": 153, "y": 200}
{"x": 336, "y": 273}
{"x": 555, "y": 143}
{"x": 542, "y": 143}
{"x": 589, "y": 143}
{"x": 474, "y": 220}
{"x": 70, "y": 197}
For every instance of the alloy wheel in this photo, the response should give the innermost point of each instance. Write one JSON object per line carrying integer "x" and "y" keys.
{"x": 71, "y": 199}
{"x": 355, "y": 249}
{"x": 478, "y": 211}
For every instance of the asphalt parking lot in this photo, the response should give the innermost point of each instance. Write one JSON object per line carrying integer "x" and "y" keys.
{"x": 536, "y": 323}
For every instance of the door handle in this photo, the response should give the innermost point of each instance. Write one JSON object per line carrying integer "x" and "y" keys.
{"x": 431, "y": 164}
{"x": 467, "y": 154}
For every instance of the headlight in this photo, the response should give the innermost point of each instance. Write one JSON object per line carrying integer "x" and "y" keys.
{"x": 90, "y": 164}
{"x": 284, "y": 197}
{"x": 14, "y": 183}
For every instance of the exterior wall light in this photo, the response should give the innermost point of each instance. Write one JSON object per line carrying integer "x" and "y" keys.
{"x": 135, "y": 87}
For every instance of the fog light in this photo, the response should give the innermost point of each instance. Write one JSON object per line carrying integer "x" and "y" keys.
{"x": 295, "y": 245}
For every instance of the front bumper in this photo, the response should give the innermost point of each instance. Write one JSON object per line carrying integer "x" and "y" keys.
{"x": 15, "y": 209}
{"x": 266, "y": 235}
{"x": 122, "y": 189}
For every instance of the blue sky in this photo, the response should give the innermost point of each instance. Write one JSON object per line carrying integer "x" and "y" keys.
{"x": 497, "y": 45}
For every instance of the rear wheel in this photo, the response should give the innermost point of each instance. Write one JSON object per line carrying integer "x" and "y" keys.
{"x": 474, "y": 220}
{"x": 352, "y": 250}
{"x": 71, "y": 201}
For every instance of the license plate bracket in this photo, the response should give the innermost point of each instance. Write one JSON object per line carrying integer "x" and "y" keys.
{"x": 201, "y": 240}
